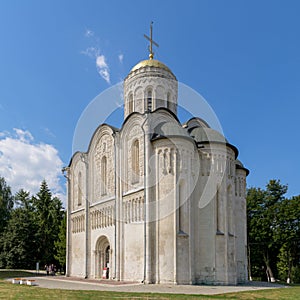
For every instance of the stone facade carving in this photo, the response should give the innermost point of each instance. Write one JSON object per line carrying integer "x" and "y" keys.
{"x": 133, "y": 208}
{"x": 78, "y": 188}
{"x": 105, "y": 174}
{"x": 78, "y": 223}
{"x": 132, "y": 175}
{"x": 103, "y": 216}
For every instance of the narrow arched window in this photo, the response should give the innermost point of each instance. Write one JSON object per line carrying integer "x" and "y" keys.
{"x": 130, "y": 104}
{"x": 169, "y": 100}
{"x": 149, "y": 100}
{"x": 181, "y": 201}
{"x": 220, "y": 214}
{"x": 103, "y": 175}
{"x": 135, "y": 150}
{"x": 79, "y": 200}
{"x": 230, "y": 214}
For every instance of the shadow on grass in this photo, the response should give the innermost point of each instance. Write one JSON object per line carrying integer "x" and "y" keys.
{"x": 4, "y": 274}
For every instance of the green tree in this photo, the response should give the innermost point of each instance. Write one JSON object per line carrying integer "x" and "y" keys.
{"x": 61, "y": 243}
{"x": 287, "y": 235}
{"x": 6, "y": 206}
{"x": 19, "y": 237}
{"x": 6, "y": 203}
{"x": 49, "y": 214}
{"x": 255, "y": 199}
{"x": 284, "y": 265}
{"x": 22, "y": 199}
{"x": 263, "y": 220}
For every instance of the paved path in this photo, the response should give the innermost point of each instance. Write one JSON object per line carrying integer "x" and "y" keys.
{"x": 60, "y": 282}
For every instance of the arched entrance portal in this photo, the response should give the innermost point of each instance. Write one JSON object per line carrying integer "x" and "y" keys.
{"x": 102, "y": 257}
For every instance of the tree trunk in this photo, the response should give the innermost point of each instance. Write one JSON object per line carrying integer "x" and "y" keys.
{"x": 289, "y": 268}
{"x": 269, "y": 272}
{"x": 249, "y": 264}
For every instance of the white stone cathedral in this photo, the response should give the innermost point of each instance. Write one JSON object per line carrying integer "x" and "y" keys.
{"x": 157, "y": 201}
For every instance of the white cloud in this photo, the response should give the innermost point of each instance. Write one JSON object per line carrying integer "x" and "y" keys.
{"x": 102, "y": 68}
{"x": 121, "y": 57}
{"x": 25, "y": 163}
{"x": 104, "y": 73}
{"x": 23, "y": 135}
{"x": 100, "y": 62}
{"x": 89, "y": 33}
{"x": 101, "y": 65}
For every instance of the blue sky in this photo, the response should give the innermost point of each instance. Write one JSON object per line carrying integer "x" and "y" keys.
{"x": 243, "y": 57}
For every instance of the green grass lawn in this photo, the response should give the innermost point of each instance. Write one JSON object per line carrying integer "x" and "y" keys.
{"x": 12, "y": 291}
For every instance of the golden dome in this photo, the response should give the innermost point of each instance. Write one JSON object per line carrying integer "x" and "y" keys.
{"x": 150, "y": 63}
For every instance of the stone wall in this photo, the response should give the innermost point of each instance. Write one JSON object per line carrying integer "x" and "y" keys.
{"x": 77, "y": 238}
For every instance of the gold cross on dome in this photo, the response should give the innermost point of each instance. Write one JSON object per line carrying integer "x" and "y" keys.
{"x": 150, "y": 39}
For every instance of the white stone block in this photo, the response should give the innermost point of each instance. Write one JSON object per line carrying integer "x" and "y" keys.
{"x": 16, "y": 280}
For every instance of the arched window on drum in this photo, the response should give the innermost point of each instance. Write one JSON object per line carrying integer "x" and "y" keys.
{"x": 169, "y": 103}
{"x": 149, "y": 99}
{"x": 130, "y": 104}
